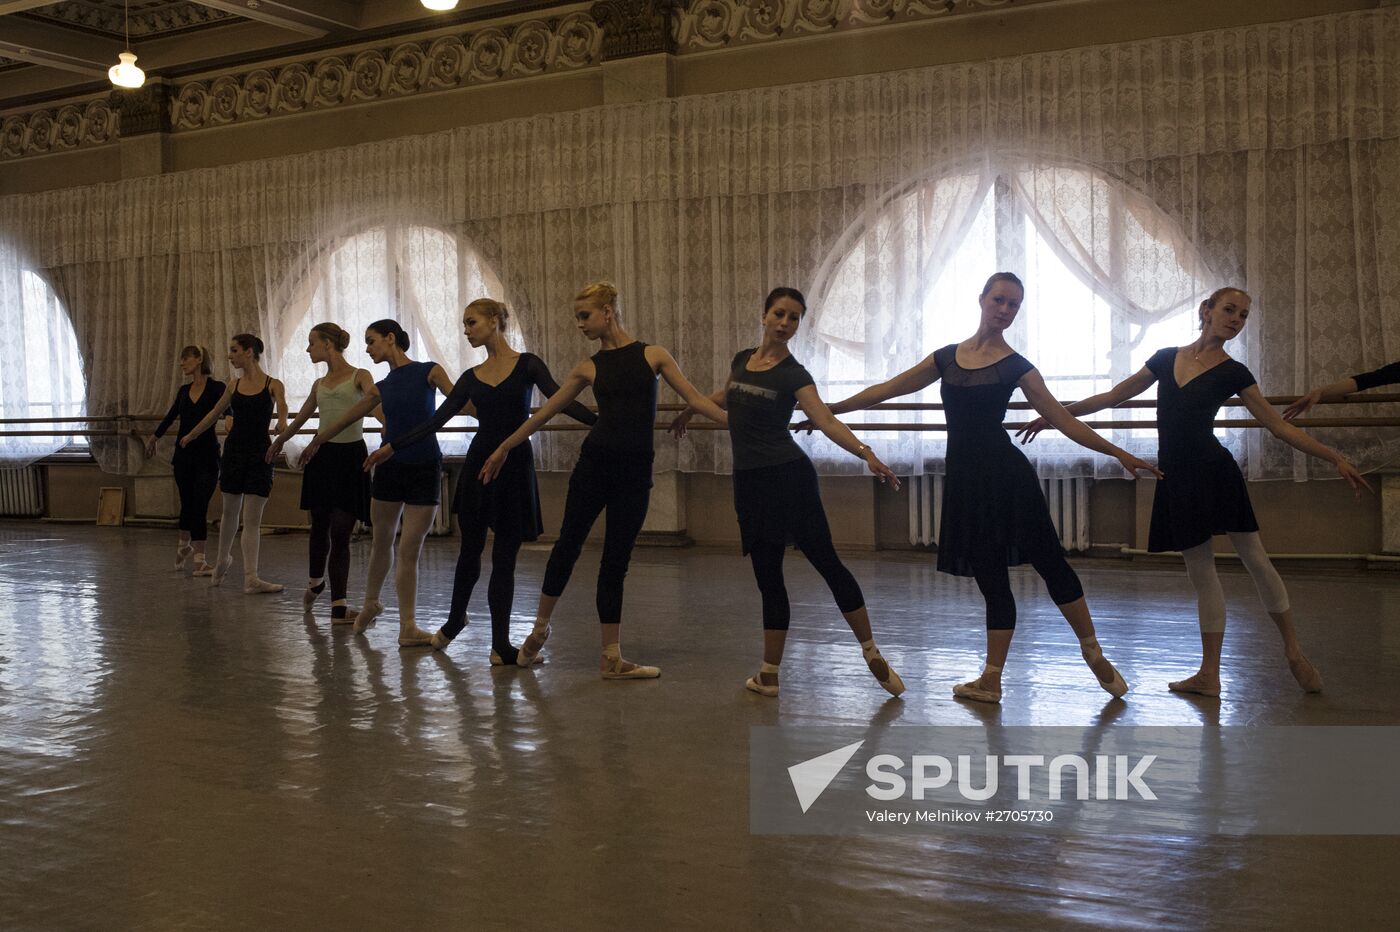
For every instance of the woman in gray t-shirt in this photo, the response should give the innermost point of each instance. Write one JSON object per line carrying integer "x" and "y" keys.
{"x": 775, "y": 486}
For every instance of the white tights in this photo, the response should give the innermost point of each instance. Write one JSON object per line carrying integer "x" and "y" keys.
{"x": 417, "y": 521}
{"x": 252, "y": 508}
{"x": 1210, "y": 599}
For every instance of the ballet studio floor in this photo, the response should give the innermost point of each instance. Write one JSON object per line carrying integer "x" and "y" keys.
{"x": 178, "y": 757}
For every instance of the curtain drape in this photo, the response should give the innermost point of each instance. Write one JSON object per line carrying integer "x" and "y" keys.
{"x": 1267, "y": 156}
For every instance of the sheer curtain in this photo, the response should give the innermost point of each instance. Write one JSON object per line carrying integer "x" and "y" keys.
{"x": 40, "y": 371}
{"x": 1123, "y": 180}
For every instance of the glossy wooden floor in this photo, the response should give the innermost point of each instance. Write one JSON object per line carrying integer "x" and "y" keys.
{"x": 175, "y": 758}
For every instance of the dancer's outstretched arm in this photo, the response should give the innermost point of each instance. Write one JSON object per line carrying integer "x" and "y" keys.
{"x": 665, "y": 366}
{"x": 1033, "y": 386}
{"x": 916, "y": 378}
{"x": 369, "y": 401}
{"x": 456, "y": 402}
{"x": 1131, "y": 387}
{"x": 209, "y": 419}
{"x": 720, "y": 397}
{"x": 1292, "y": 435}
{"x": 820, "y": 416}
{"x": 308, "y": 408}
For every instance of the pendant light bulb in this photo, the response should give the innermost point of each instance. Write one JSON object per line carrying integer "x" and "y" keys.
{"x": 125, "y": 73}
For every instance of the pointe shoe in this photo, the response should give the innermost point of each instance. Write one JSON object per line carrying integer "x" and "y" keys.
{"x": 613, "y": 669}
{"x": 367, "y": 615}
{"x": 342, "y": 615}
{"x": 220, "y": 570}
{"x": 1090, "y": 650}
{"x": 975, "y": 691}
{"x": 498, "y": 661}
{"x": 252, "y": 585}
{"x": 414, "y": 637}
{"x": 884, "y": 673}
{"x": 1306, "y": 674}
{"x": 182, "y": 553}
{"x": 1197, "y": 686}
{"x": 440, "y": 642}
{"x": 530, "y": 650}
{"x": 755, "y": 684}
{"x": 203, "y": 569}
{"x": 309, "y": 597}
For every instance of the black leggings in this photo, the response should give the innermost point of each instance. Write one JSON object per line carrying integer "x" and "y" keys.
{"x": 994, "y": 579}
{"x": 196, "y": 483}
{"x": 500, "y": 589}
{"x": 621, "y": 486}
{"x": 768, "y": 571}
{"x": 330, "y": 548}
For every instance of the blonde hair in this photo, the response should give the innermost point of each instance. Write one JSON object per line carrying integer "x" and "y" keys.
{"x": 600, "y": 293}
{"x": 491, "y": 308}
{"x": 333, "y": 332}
{"x": 199, "y": 353}
{"x": 1215, "y": 296}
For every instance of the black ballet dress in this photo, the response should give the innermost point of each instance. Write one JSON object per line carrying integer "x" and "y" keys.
{"x": 994, "y": 512}
{"x": 243, "y": 469}
{"x": 510, "y": 504}
{"x": 1203, "y": 493}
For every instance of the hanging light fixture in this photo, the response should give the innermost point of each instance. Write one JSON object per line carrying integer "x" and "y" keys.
{"x": 439, "y": 6}
{"x": 125, "y": 73}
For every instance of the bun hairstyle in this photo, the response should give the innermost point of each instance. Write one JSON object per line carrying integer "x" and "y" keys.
{"x": 249, "y": 342}
{"x": 1002, "y": 277}
{"x": 332, "y": 332}
{"x": 777, "y": 293}
{"x": 600, "y": 293}
{"x": 200, "y": 353}
{"x": 491, "y": 308}
{"x": 391, "y": 328}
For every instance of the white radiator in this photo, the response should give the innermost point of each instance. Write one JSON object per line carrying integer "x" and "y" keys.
{"x": 1068, "y": 500}
{"x": 21, "y": 493}
{"x": 442, "y": 521}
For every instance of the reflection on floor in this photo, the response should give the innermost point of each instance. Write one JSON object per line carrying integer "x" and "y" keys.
{"x": 175, "y": 756}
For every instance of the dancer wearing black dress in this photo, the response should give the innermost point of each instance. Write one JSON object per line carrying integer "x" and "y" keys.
{"x": 410, "y": 486}
{"x": 775, "y": 486}
{"x": 613, "y": 470}
{"x": 1203, "y": 492}
{"x": 334, "y": 487}
{"x": 994, "y": 514}
{"x": 498, "y": 394}
{"x": 245, "y": 476}
{"x": 1385, "y": 375}
{"x": 196, "y": 467}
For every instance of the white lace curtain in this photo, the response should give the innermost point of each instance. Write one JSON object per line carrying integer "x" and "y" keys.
{"x": 1267, "y": 156}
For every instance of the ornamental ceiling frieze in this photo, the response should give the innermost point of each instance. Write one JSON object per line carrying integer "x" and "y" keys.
{"x": 481, "y": 55}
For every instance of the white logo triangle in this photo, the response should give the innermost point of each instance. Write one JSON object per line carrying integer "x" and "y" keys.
{"x": 810, "y": 778}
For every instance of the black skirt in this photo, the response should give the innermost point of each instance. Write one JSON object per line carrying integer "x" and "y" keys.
{"x": 335, "y": 478}
{"x": 1197, "y": 501}
{"x": 510, "y": 504}
{"x": 779, "y": 504}
{"x": 243, "y": 470}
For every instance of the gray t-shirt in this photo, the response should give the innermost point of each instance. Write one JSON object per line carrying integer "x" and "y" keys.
{"x": 760, "y": 411}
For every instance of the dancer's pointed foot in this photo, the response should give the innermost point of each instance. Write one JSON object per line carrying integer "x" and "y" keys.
{"x": 366, "y": 617}
{"x": 252, "y": 585}
{"x": 1306, "y": 674}
{"x": 1199, "y": 684}
{"x": 309, "y": 597}
{"x": 530, "y": 650}
{"x": 201, "y": 568}
{"x": 880, "y": 667}
{"x": 343, "y": 615}
{"x": 220, "y": 571}
{"x": 1108, "y": 676}
{"x": 765, "y": 681}
{"x": 440, "y": 640}
{"x": 986, "y": 688}
{"x": 182, "y": 553}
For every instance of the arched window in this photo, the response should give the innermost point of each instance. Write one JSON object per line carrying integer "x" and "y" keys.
{"x": 1110, "y": 279}
{"x": 420, "y": 276}
{"x": 42, "y": 375}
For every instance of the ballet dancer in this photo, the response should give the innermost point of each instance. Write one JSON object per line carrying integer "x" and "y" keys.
{"x": 245, "y": 477}
{"x": 406, "y": 488}
{"x": 994, "y": 514}
{"x": 1203, "y": 492}
{"x": 497, "y": 393}
{"x": 613, "y": 471}
{"x": 334, "y": 487}
{"x": 196, "y": 467}
{"x": 775, "y": 486}
{"x": 1385, "y": 375}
